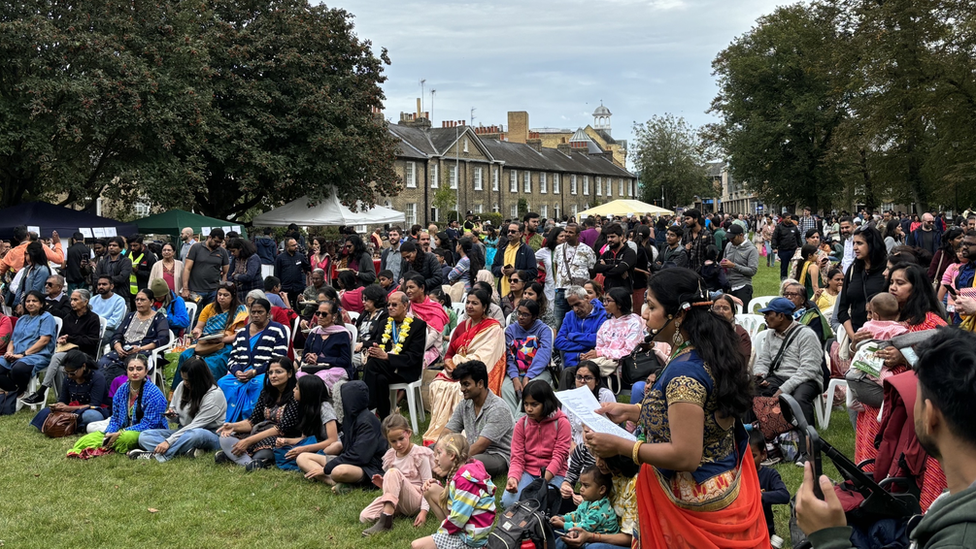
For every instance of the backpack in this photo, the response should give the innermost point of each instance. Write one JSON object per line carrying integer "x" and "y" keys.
{"x": 523, "y": 521}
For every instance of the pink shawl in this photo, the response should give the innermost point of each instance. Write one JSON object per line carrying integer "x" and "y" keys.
{"x": 430, "y": 312}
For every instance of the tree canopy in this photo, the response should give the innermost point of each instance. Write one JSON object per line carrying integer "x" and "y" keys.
{"x": 838, "y": 102}
{"x": 217, "y": 106}
{"x": 668, "y": 158}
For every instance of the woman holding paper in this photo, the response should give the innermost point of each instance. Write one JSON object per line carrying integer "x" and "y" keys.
{"x": 697, "y": 480}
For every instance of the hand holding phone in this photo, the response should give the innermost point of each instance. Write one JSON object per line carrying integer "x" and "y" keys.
{"x": 952, "y": 291}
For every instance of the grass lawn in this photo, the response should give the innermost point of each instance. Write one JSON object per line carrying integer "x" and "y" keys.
{"x": 51, "y": 501}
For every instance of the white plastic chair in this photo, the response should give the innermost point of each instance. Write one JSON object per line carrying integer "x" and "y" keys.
{"x": 415, "y": 400}
{"x": 102, "y": 327}
{"x": 354, "y": 334}
{"x": 759, "y": 303}
{"x": 353, "y": 316}
{"x": 758, "y": 344}
{"x": 825, "y": 403}
{"x": 458, "y": 308}
{"x": 191, "y": 313}
{"x": 155, "y": 357}
{"x": 751, "y": 323}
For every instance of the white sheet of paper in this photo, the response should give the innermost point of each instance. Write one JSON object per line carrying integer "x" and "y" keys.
{"x": 237, "y": 229}
{"x": 581, "y": 402}
{"x": 86, "y": 231}
{"x": 99, "y": 232}
{"x": 34, "y": 229}
{"x": 110, "y": 231}
{"x": 227, "y": 229}
{"x": 204, "y": 231}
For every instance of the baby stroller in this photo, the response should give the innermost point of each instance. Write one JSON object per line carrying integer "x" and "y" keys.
{"x": 879, "y": 511}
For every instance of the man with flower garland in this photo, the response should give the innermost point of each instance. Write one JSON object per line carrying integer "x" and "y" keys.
{"x": 399, "y": 357}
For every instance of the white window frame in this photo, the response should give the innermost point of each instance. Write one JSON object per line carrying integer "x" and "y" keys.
{"x": 575, "y": 210}
{"x": 555, "y": 183}
{"x": 495, "y": 208}
{"x": 586, "y": 187}
{"x": 543, "y": 184}
{"x": 410, "y": 175}
{"x": 598, "y": 186}
{"x": 572, "y": 184}
{"x": 527, "y": 182}
{"x": 465, "y": 144}
{"x": 434, "y": 213}
{"x": 494, "y": 179}
{"x": 513, "y": 181}
{"x": 620, "y": 187}
{"x": 609, "y": 187}
{"x": 478, "y": 208}
{"x": 513, "y": 210}
{"x": 452, "y": 173}
{"x": 544, "y": 211}
{"x": 434, "y": 173}
{"x": 410, "y": 214}
{"x": 555, "y": 211}
{"x": 478, "y": 184}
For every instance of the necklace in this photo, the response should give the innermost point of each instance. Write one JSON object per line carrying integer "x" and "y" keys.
{"x": 397, "y": 333}
{"x": 679, "y": 350}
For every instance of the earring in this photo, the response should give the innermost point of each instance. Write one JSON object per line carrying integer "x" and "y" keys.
{"x": 677, "y": 339}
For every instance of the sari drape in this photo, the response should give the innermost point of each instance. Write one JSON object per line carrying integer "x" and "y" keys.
{"x": 484, "y": 341}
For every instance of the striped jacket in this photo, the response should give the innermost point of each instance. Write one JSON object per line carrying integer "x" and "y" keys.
{"x": 271, "y": 342}
{"x": 471, "y": 498}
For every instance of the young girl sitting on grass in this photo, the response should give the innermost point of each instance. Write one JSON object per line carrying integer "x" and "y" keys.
{"x": 467, "y": 506}
{"x": 540, "y": 442}
{"x": 136, "y": 407}
{"x": 595, "y": 514}
{"x": 317, "y": 424}
{"x": 407, "y": 467}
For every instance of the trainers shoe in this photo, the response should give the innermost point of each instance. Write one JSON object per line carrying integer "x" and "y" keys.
{"x": 255, "y": 465}
{"x": 199, "y": 452}
{"x": 37, "y": 397}
{"x": 221, "y": 457}
{"x": 140, "y": 454}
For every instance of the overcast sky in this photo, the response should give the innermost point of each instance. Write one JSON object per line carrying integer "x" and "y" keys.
{"x": 556, "y": 60}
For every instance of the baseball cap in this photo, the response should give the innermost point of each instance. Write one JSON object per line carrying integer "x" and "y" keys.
{"x": 735, "y": 229}
{"x": 779, "y": 305}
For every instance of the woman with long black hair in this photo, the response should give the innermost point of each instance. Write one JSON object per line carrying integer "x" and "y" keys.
{"x": 865, "y": 278}
{"x": 696, "y": 468}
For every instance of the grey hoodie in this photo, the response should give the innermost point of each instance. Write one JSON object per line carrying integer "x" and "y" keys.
{"x": 950, "y": 523}
{"x": 746, "y": 259}
{"x": 210, "y": 416}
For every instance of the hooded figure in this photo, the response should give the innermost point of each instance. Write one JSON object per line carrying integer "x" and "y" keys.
{"x": 363, "y": 444}
{"x": 173, "y": 304}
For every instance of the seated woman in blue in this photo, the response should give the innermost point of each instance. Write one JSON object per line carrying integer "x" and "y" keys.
{"x": 225, "y": 316}
{"x": 328, "y": 348}
{"x": 84, "y": 392}
{"x": 251, "y": 353}
{"x": 142, "y": 330}
{"x": 317, "y": 423}
{"x": 252, "y": 442}
{"x": 198, "y": 406}
{"x": 137, "y": 406}
{"x": 31, "y": 345}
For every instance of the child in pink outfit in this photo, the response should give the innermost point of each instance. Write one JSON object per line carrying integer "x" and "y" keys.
{"x": 884, "y": 325}
{"x": 407, "y": 466}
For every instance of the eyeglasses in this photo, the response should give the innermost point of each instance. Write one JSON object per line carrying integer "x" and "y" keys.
{"x": 791, "y": 294}
{"x": 513, "y": 232}
{"x": 48, "y": 284}
{"x": 585, "y": 379}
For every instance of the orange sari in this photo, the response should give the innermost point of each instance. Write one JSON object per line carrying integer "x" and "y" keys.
{"x": 666, "y": 524}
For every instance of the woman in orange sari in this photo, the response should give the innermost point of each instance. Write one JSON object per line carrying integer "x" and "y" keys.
{"x": 428, "y": 310}
{"x": 480, "y": 337}
{"x": 698, "y": 486}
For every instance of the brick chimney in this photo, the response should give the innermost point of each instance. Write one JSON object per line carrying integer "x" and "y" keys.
{"x": 565, "y": 148}
{"x": 535, "y": 144}
{"x": 518, "y": 126}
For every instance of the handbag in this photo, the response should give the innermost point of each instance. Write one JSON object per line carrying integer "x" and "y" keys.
{"x": 770, "y": 416}
{"x": 60, "y": 424}
{"x": 638, "y": 365}
{"x": 936, "y": 280}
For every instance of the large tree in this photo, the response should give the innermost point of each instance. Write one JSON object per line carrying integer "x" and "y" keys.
{"x": 784, "y": 92}
{"x": 93, "y": 95}
{"x": 291, "y": 114}
{"x": 668, "y": 157}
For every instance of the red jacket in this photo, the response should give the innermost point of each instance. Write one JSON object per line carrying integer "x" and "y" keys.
{"x": 538, "y": 445}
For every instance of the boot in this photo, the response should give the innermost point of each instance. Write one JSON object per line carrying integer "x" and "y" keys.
{"x": 384, "y": 523}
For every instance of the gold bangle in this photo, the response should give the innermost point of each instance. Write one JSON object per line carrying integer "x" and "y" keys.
{"x": 634, "y": 455}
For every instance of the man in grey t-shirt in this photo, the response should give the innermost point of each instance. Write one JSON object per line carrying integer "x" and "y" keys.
{"x": 485, "y": 419}
{"x": 205, "y": 266}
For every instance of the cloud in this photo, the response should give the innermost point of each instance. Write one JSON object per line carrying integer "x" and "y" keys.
{"x": 555, "y": 60}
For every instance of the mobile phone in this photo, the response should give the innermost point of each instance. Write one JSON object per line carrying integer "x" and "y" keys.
{"x": 105, "y": 442}
{"x": 813, "y": 455}
{"x": 951, "y": 290}
{"x": 560, "y": 533}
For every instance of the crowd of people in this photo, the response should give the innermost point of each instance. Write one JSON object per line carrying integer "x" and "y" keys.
{"x": 292, "y": 347}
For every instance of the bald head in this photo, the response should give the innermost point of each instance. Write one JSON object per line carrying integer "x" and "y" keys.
{"x": 186, "y": 234}
{"x": 927, "y": 218}
{"x": 397, "y": 306}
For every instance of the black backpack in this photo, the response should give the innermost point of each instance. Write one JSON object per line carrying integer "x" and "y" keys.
{"x": 524, "y": 520}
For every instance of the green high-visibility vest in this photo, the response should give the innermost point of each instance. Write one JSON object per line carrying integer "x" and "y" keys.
{"x": 133, "y": 285}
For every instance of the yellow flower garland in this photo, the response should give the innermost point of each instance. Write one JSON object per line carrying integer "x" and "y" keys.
{"x": 403, "y": 333}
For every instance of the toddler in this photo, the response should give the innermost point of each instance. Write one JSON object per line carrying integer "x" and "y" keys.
{"x": 595, "y": 514}
{"x": 774, "y": 492}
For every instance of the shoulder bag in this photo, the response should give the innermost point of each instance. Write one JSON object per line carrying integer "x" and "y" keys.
{"x": 767, "y": 409}
{"x": 60, "y": 424}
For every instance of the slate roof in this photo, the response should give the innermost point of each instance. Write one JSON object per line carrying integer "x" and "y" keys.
{"x": 414, "y": 142}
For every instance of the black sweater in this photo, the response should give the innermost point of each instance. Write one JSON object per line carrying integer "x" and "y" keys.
{"x": 83, "y": 331}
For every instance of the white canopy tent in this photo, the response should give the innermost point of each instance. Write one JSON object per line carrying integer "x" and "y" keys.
{"x": 624, "y": 207}
{"x": 328, "y": 212}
